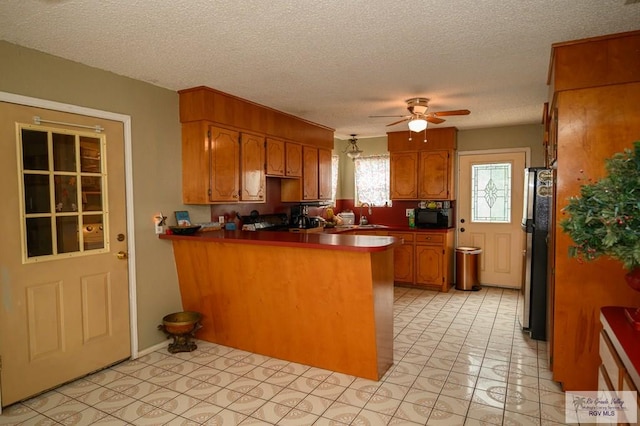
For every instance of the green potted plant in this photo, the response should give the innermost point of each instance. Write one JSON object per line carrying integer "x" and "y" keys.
{"x": 604, "y": 220}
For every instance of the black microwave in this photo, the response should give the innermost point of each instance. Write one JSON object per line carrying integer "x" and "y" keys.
{"x": 434, "y": 218}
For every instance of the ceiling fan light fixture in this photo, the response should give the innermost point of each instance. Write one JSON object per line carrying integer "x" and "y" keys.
{"x": 417, "y": 124}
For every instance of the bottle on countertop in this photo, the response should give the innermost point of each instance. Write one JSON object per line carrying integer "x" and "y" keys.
{"x": 412, "y": 219}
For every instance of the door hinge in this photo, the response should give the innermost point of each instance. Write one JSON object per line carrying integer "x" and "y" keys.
{"x": 209, "y": 135}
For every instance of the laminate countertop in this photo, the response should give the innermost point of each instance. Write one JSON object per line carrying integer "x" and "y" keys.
{"x": 319, "y": 240}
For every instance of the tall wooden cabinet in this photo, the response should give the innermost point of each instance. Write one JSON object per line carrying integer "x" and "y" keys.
{"x": 422, "y": 171}
{"x": 593, "y": 113}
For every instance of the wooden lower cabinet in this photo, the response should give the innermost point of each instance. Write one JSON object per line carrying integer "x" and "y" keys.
{"x": 403, "y": 257}
{"x": 425, "y": 259}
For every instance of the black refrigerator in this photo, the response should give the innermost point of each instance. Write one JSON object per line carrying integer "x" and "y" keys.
{"x": 535, "y": 224}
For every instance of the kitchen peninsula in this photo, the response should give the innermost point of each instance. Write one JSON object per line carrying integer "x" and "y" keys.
{"x": 324, "y": 300}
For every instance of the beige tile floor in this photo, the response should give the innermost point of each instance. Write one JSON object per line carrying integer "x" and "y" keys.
{"x": 460, "y": 359}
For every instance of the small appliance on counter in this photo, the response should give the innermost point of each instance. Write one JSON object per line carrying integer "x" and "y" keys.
{"x": 348, "y": 217}
{"x": 266, "y": 222}
{"x": 433, "y": 217}
{"x": 300, "y": 218}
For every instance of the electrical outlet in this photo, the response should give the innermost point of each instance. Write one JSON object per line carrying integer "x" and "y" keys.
{"x": 159, "y": 229}
{"x": 408, "y": 212}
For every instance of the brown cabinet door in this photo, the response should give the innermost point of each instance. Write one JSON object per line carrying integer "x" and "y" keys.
{"x": 324, "y": 174}
{"x": 403, "y": 263}
{"x": 404, "y": 175}
{"x": 309, "y": 173}
{"x": 225, "y": 164}
{"x": 434, "y": 175}
{"x": 293, "y": 163}
{"x": 252, "y": 178}
{"x": 429, "y": 265}
{"x": 275, "y": 157}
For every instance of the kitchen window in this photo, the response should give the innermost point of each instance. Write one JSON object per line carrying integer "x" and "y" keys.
{"x": 372, "y": 180}
{"x": 335, "y": 163}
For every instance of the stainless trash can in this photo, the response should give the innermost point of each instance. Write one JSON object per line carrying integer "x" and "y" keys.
{"x": 467, "y": 268}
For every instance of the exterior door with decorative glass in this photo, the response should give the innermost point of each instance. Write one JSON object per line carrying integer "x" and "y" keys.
{"x": 64, "y": 272}
{"x": 490, "y": 191}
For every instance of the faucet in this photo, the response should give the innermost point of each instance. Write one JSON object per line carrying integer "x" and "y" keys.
{"x": 363, "y": 219}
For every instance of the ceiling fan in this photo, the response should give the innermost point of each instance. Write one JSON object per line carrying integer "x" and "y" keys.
{"x": 419, "y": 116}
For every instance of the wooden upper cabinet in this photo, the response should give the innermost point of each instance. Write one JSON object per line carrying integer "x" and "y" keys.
{"x": 196, "y": 183}
{"x": 309, "y": 173}
{"x": 225, "y": 164}
{"x": 293, "y": 159}
{"x": 274, "y": 152}
{"x": 252, "y": 174}
{"x": 435, "y": 175}
{"x": 213, "y": 170}
{"x": 324, "y": 174}
{"x": 404, "y": 175}
{"x": 422, "y": 171}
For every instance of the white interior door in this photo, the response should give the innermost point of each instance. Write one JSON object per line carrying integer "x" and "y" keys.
{"x": 490, "y": 190}
{"x": 64, "y": 277}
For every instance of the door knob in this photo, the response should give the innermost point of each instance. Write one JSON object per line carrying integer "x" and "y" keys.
{"x": 121, "y": 255}
{"x": 461, "y": 229}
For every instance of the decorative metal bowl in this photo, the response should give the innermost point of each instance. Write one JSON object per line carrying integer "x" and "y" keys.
{"x": 181, "y": 322}
{"x": 185, "y": 230}
{"x": 181, "y": 326}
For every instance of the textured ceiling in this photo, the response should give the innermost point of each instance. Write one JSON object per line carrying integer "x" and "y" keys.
{"x": 331, "y": 62}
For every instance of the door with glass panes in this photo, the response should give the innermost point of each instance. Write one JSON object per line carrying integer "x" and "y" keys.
{"x": 489, "y": 213}
{"x": 65, "y": 290}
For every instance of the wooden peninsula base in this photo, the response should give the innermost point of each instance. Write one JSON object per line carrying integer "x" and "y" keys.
{"x": 320, "y": 300}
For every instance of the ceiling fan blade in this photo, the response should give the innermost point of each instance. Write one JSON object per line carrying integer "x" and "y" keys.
{"x": 398, "y": 122}
{"x": 452, "y": 112}
{"x": 434, "y": 120}
{"x": 377, "y": 116}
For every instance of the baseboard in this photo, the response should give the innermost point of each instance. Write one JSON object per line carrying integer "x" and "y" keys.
{"x": 161, "y": 345}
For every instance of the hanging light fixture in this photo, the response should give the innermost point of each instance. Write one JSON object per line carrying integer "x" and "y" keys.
{"x": 352, "y": 149}
{"x": 417, "y": 124}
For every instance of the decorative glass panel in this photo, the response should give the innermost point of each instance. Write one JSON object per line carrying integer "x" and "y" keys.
{"x": 491, "y": 193}
{"x": 62, "y": 180}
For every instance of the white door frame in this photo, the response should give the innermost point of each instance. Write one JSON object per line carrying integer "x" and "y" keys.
{"x": 128, "y": 167}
